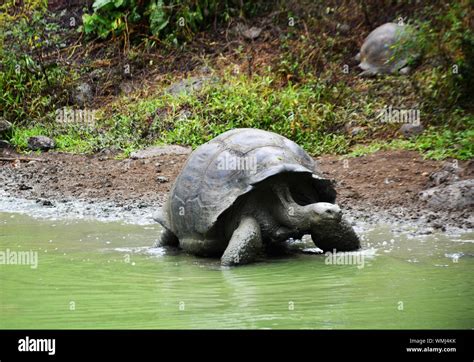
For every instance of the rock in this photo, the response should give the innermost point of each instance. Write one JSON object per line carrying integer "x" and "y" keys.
{"x": 447, "y": 174}
{"x": 353, "y": 129}
{"x": 40, "y": 143}
{"x": 126, "y": 87}
{"x": 247, "y": 32}
{"x": 189, "y": 85}
{"x": 252, "y": 33}
{"x": 409, "y": 130}
{"x": 356, "y": 130}
{"x": 5, "y": 126}
{"x": 24, "y": 187}
{"x": 458, "y": 195}
{"x": 155, "y": 151}
{"x": 162, "y": 179}
{"x": 183, "y": 115}
{"x": 108, "y": 153}
{"x": 44, "y": 202}
{"x": 82, "y": 94}
{"x": 205, "y": 69}
{"x": 344, "y": 28}
{"x": 426, "y": 231}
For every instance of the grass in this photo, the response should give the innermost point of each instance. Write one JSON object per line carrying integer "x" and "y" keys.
{"x": 70, "y": 140}
{"x": 31, "y": 87}
{"x": 302, "y": 113}
{"x": 435, "y": 143}
{"x": 20, "y": 136}
{"x": 303, "y": 95}
{"x": 311, "y": 114}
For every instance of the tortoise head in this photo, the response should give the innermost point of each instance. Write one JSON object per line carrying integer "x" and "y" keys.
{"x": 329, "y": 230}
{"x": 306, "y": 200}
{"x": 322, "y": 212}
{"x": 322, "y": 219}
{"x": 316, "y": 216}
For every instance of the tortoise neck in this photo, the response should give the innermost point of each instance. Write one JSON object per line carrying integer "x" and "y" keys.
{"x": 299, "y": 218}
{"x": 291, "y": 213}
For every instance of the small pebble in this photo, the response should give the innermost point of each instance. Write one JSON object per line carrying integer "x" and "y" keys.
{"x": 162, "y": 179}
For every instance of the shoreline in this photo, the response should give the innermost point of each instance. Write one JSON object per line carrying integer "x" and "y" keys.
{"x": 382, "y": 187}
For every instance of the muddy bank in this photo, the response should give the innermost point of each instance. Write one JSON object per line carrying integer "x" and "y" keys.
{"x": 385, "y": 187}
{"x": 381, "y": 187}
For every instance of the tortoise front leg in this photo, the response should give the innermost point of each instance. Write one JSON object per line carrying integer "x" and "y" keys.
{"x": 245, "y": 244}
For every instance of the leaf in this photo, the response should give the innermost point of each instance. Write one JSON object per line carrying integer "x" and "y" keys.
{"x": 88, "y": 23}
{"x": 158, "y": 19}
{"x": 99, "y": 4}
{"x": 135, "y": 16}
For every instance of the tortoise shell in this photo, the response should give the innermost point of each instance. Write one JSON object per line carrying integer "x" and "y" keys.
{"x": 227, "y": 167}
{"x": 379, "y": 51}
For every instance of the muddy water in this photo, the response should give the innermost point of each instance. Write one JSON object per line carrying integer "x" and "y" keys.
{"x": 92, "y": 274}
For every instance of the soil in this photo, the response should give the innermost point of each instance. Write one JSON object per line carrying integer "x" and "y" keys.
{"x": 386, "y": 185}
{"x": 380, "y": 185}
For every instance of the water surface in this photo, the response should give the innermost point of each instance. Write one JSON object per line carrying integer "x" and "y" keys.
{"x": 94, "y": 274}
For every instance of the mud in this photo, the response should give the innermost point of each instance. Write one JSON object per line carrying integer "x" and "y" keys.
{"x": 381, "y": 187}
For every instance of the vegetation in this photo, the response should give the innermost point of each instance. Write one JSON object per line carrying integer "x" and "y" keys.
{"x": 445, "y": 42}
{"x": 301, "y": 91}
{"x": 31, "y": 84}
{"x": 171, "y": 20}
{"x": 436, "y": 144}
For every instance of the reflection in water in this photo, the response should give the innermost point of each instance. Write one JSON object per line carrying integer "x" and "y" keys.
{"x": 243, "y": 293}
{"x": 105, "y": 275}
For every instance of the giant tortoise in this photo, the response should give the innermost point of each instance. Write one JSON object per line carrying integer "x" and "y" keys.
{"x": 248, "y": 190}
{"x": 386, "y": 50}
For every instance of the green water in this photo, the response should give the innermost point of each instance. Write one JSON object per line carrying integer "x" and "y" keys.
{"x": 104, "y": 275}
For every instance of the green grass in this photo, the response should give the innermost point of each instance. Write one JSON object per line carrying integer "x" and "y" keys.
{"x": 311, "y": 114}
{"x": 73, "y": 142}
{"x": 442, "y": 143}
{"x": 435, "y": 143}
{"x": 302, "y": 113}
{"x": 70, "y": 140}
{"x": 20, "y": 136}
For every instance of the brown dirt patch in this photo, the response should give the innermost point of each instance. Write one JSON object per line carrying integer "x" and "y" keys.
{"x": 385, "y": 179}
